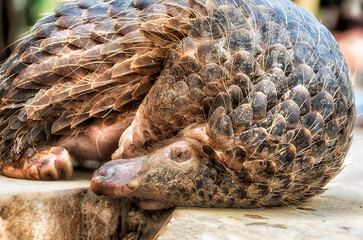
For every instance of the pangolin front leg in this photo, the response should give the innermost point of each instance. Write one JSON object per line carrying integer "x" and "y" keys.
{"x": 96, "y": 143}
{"x": 45, "y": 164}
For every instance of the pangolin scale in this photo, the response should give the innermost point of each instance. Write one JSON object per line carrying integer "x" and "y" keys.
{"x": 213, "y": 103}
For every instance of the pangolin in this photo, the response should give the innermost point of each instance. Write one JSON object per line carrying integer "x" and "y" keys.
{"x": 212, "y": 103}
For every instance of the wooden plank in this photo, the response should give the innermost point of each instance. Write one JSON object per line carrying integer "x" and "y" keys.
{"x": 56, "y": 210}
{"x": 68, "y": 209}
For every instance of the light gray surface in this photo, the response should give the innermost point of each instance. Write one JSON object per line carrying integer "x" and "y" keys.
{"x": 336, "y": 214}
{"x": 15, "y": 186}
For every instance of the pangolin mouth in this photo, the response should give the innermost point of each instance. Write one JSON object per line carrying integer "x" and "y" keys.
{"x": 111, "y": 179}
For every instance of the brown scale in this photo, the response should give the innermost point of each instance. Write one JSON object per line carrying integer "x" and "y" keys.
{"x": 211, "y": 103}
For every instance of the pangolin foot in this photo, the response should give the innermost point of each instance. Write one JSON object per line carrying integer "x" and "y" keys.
{"x": 52, "y": 163}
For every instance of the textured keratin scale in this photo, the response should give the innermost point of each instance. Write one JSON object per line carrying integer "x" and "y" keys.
{"x": 212, "y": 103}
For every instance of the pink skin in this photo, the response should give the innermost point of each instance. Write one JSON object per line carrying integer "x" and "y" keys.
{"x": 98, "y": 142}
{"x": 112, "y": 178}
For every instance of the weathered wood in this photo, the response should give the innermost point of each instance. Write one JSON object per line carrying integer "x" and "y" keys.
{"x": 68, "y": 209}
{"x": 56, "y": 210}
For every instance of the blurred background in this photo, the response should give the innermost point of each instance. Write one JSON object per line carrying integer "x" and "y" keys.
{"x": 343, "y": 17}
{"x": 17, "y": 16}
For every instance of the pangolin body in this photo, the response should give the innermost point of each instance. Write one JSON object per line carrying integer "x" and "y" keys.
{"x": 222, "y": 103}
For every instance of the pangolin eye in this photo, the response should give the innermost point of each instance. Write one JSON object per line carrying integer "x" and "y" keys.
{"x": 180, "y": 155}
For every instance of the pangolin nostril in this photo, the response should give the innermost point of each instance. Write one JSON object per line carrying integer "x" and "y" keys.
{"x": 104, "y": 173}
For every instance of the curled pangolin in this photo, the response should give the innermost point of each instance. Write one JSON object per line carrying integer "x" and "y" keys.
{"x": 222, "y": 103}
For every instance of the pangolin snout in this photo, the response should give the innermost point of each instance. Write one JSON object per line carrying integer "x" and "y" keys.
{"x": 111, "y": 179}
{"x": 127, "y": 177}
